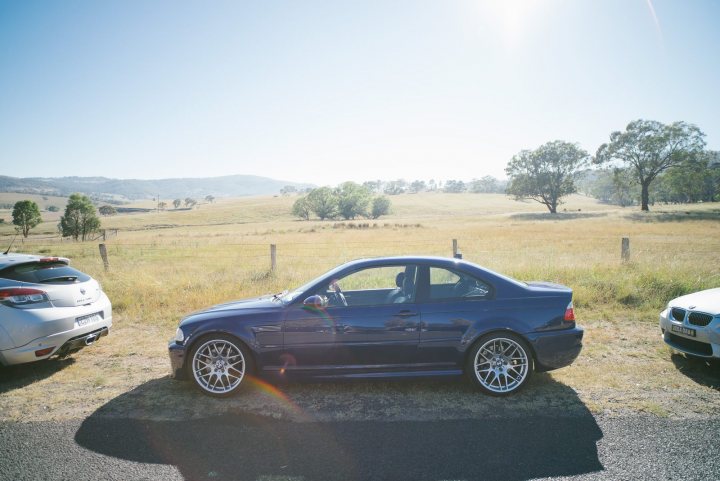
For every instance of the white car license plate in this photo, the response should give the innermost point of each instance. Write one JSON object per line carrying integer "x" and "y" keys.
{"x": 89, "y": 319}
{"x": 683, "y": 330}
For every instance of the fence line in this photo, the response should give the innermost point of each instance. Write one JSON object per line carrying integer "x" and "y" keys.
{"x": 280, "y": 254}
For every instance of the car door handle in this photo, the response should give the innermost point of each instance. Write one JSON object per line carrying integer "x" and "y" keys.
{"x": 406, "y": 313}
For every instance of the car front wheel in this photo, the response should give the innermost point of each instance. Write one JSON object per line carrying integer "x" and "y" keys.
{"x": 219, "y": 364}
{"x": 500, "y": 364}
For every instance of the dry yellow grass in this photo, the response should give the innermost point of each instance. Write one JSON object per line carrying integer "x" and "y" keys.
{"x": 164, "y": 265}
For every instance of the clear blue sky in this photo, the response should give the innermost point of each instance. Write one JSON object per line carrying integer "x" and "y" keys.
{"x": 341, "y": 90}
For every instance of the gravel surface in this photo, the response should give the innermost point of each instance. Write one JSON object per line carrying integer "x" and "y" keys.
{"x": 253, "y": 447}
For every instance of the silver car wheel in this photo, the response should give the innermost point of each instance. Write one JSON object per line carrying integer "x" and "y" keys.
{"x": 501, "y": 365}
{"x": 218, "y": 366}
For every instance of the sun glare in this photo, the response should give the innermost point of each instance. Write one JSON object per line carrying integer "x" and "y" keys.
{"x": 513, "y": 18}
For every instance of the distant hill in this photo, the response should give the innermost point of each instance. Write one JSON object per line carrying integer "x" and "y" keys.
{"x": 135, "y": 189}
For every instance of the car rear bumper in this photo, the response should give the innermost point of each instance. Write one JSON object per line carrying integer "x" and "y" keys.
{"x": 556, "y": 349}
{"x": 177, "y": 360}
{"x": 61, "y": 343}
{"x": 705, "y": 343}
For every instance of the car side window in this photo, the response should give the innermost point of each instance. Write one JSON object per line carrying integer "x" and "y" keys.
{"x": 446, "y": 284}
{"x": 372, "y": 286}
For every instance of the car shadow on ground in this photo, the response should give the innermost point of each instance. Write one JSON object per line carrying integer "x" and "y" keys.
{"x": 345, "y": 431}
{"x": 558, "y": 216}
{"x": 21, "y": 375}
{"x": 703, "y": 372}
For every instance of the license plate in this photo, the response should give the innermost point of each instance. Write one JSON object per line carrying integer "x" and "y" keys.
{"x": 89, "y": 319}
{"x": 683, "y": 330}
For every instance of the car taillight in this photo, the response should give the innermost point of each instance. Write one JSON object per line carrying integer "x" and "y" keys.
{"x": 20, "y": 296}
{"x": 569, "y": 313}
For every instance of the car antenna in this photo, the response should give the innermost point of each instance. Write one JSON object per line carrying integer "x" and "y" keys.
{"x": 11, "y": 243}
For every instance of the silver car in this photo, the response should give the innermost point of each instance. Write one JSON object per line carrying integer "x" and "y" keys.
{"x": 48, "y": 308}
{"x": 691, "y": 324}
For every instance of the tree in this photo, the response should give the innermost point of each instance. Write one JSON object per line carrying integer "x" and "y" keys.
{"x": 693, "y": 180}
{"x": 650, "y": 148}
{"x": 486, "y": 185}
{"x": 418, "y": 186}
{"x": 79, "y": 220}
{"x": 177, "y": 203}
{"x": 302, "y": 208}
{"x": 323, "y": 202}
{"x": 545, "y": 174}
{"x": 623, "y": 187}
{"x": 107, "y": 210}
{"x": 353, "y": 200}
{"x": 26, "y": 215}
{"x": 288, "y": 189}
{"x": 455, "y": 186}
{"x": 395, "y": 187}
{"x": 380, "y": 206}
{"x": 210, "y": 199}
{"x": 373, "y": 185}
{"x": 190, "y": 202}
{"x": 53, "y": 208}
{"x": 162, "y": 205}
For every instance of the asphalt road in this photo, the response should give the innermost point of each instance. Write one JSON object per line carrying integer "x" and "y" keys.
{"x": 250, "y": 447}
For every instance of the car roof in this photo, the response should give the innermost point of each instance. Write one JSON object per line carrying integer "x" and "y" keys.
{"x": 435, "y": 260}
{"x": 447, "y": 262}
{"x": 7, "y": 260}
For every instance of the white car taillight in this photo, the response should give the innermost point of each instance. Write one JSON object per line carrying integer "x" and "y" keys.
{"x": 21, "y": 296}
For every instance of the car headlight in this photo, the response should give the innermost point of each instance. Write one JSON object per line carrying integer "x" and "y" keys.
{"x": 179, "y": 336}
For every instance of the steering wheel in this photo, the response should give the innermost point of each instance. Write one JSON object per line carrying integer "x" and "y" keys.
{"x": 339, "y": 296}
{"x": 461, "y": 287}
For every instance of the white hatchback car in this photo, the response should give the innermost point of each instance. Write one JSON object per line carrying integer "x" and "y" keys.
{"x": 691, "y": 324}
{"x": 48, "y": 308}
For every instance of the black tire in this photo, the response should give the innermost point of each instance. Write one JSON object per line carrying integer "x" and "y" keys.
{"x": 500, "y": 364}
{"x": 219, "y": 364}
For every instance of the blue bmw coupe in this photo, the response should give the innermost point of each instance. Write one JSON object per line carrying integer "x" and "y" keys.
{"x": 385, "y": 318}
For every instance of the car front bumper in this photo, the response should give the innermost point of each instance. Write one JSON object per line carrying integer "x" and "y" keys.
{"x": 705, "y": 343}
{"x": 177, "y": 360}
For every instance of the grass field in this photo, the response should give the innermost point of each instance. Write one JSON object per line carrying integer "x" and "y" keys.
{"x": 166, "y": 264}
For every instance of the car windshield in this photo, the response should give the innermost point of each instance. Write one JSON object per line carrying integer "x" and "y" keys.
{"x": 292, "y": 295}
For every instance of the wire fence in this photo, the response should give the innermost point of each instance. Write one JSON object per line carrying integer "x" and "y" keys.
{"x": 520, "y": 253}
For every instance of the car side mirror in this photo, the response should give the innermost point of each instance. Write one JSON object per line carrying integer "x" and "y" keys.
{"x": 314, "y": 301}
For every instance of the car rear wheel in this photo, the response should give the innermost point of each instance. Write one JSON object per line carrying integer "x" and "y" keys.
{"x": 219, "y": 364}
{"x": 500, "y": 364}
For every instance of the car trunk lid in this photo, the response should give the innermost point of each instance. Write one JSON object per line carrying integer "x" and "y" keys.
{"x": 73, "y": 294}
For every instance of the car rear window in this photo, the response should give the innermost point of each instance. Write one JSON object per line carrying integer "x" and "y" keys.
{"x": 44, "y": 273}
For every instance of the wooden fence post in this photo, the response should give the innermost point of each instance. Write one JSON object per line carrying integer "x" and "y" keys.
{"x": 625, "y": 249}
{"x": 273, "y": 257}
{"x": 456, "y": 251}
{"x": 103, "y": 254}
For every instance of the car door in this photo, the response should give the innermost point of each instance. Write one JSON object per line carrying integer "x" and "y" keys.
{"x": 377, "y": 326}
{"x": 308, "y": 337}
{"x": 452, "y": 304}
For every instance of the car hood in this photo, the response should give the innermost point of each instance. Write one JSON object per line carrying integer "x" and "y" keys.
{"x": 256, "y": 303}
{"x": 703, "y": 301}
